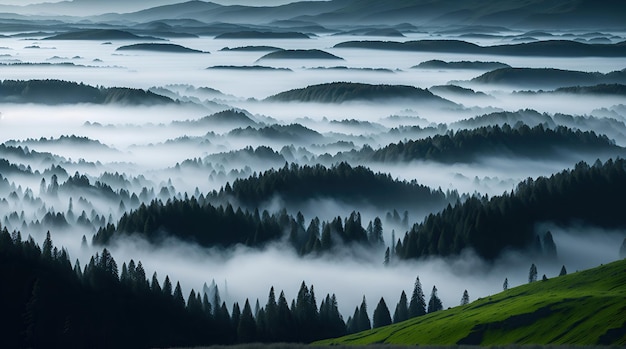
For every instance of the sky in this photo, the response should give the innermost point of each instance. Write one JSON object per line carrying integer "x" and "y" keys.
{"x": 148, "y": 2}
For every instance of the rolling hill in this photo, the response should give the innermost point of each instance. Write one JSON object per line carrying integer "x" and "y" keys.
{"x": 547, "y": 48}
{"x": 584, "y": 308}
{"x": 300, "y": 54}
{"x": 55, "y": 92}
{"x": 339, "y": 92}
{"x": 98, "y": 34}
{"x": 171, "y": 48}
{"x": 254, "y": 34}
{"x": 548, "y": 78}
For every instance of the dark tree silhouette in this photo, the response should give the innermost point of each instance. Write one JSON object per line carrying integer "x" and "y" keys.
{"x": 417, "y": 306}
{"x": 402, "y": 309}
{"x": 434, "y": 304}
{"x": 382, "y": 317}
{"x": 465, "y": 299}
{"x": 532, "y": 273}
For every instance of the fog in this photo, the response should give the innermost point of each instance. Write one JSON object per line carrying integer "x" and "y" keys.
{"x": 242, "y": 273}
{"x": 142, "y": 150}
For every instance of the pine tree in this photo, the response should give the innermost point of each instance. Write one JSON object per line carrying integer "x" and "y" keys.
{"x": 544, "y": 278}
{"x": 532, "y": 273}
{"x": 284, "y": 329}
{"x": 505, "y": 285}
{"x": 271, "y": 316}
{"x": 364, "y": 318}
{"x": 246, "y": 329}
{"x": 167, "y": 287}
{"x": 549, "y": 247}
{"x": 563, "y": 271}
{"x": 434, "y": 304}
{"x": 622, "y": 250}
{"x": 377, "y": 232}
{"x": 47, "y": 247}
{"x": 154, "y": 286}
{"x": 381, "y": 314}
{"x": 465, "y": 299}
{"x": 417, "y": 306}
{"x": 353, "y": 322}
{"x": 386, "y": 260}
{"x": 178, "y": 296}
{"x": 402, "y": 310}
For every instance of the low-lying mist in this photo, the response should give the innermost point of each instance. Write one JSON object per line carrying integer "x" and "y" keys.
{"x": 242, "y": 272}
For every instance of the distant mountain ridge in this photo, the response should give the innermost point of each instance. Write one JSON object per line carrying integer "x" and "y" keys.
{"x": 574, "y": 14}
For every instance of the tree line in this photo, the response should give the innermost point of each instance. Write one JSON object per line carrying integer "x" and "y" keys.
{"x": 207, "y": 225}
{"x": 342, "y": 182}
{"x": 468, "y": 145}
{"x": 48, "y": 302}
{"x": 585, "y": 194}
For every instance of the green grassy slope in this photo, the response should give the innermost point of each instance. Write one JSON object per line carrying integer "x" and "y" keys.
{"x": 583, "y": 308}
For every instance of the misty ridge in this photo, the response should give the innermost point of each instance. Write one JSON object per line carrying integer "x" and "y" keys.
{"x": 276, "y": 152}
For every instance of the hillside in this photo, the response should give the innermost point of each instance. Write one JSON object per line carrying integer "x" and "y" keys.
{"x": 475, "y": 65}
{"x": 172, "y": 48}
{"x": 548, "y": 48}
{"x": 55, "y": 92}
{"x": 584, "y": 308}
{"x": 339, "y": 92}
{"x": 98, "y": 34}
{"x": 548, "y": 78}
{"x": 465, "y": 146}
{"x": 300, "y": 54}
{"x": 341, "y": 182}
{"x": 253, "y": 34}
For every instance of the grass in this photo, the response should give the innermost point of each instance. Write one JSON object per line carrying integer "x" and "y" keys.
{"x": 584, "y": 308}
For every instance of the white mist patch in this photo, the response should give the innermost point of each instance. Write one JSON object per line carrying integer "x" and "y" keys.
{"x": 242, "y": 273}
{"x": 580, "y": 246}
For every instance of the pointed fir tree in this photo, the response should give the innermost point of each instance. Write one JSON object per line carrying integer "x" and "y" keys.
{"x": 246, "y": 329}
{"x": 465, "y": 298}
{"x": 563, "y": 271}
{"x": 155, "y": 287}
{"x": 364, "y": 319}
{"x": 382, "y": 317}
{"x": 353, "y": 322}
{"x": 402, "y": 309}
{"x": 505, "y": 285}
{"x": 417, "y": 306}
{"x": 46, "y": 250}
{"x": 434, "y": 304}
{"x": 387, "y": 256}
{"x": 178, "y": 296}
{"x": 549, "y": 247}
{"x": 271, "y": 316}
{"x": 167, "y": 287}
{"x": 622, "y": 250}
{"x": 532, "y": 273}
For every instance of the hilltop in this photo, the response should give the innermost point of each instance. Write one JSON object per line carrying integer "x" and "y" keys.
{"x": 339, "y": 92}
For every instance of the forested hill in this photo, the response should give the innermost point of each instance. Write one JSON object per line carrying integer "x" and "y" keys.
{"x": 295, "y": 184}
{"x": 200, "y": 222}
{"x": 589, "y": 195}
{"x": 53, "y": 92}
{"x": 547, "y": 48}
{"x": 50, "y": 303}
{"x": 339, "y": 92}
{"x": 469, "y": 145}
